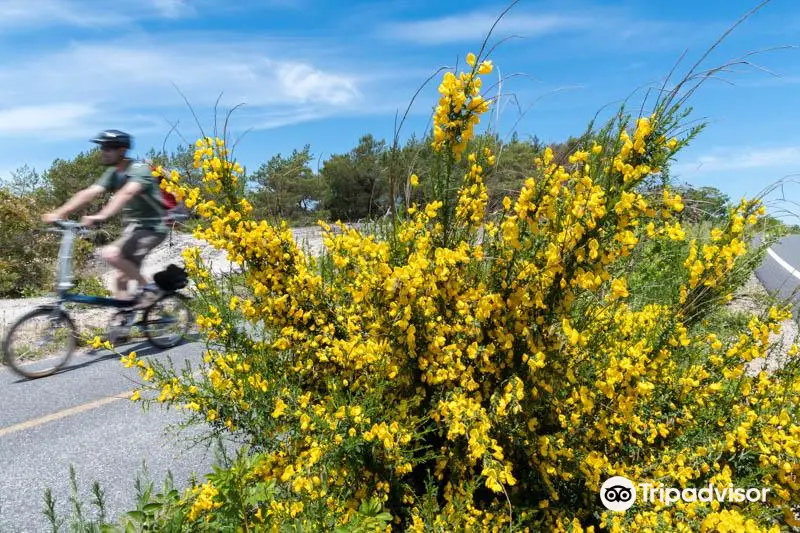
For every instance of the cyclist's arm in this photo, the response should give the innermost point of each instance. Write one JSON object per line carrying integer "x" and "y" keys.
{"x": 80, "y": 199}
{"x": 128, "y": 191}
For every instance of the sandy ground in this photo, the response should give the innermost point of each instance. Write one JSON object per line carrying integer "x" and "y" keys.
{"x": 310, "y": 239}
{"x": 747, "y": 300}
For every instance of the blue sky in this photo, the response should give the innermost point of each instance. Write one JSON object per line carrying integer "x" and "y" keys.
{"x": 325, "y": 73}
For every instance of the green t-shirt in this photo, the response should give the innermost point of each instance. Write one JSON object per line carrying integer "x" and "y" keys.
{"x": 145, "y": 210}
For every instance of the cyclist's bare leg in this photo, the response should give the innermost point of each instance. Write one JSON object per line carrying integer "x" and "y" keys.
{"x": 114, "y": 256}
{"x": 121, "y": 285}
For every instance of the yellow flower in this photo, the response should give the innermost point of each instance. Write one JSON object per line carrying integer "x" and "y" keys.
{"x": 205, "y": 501}
{"x": 129, "y": 361}
{"x": 619, "y": 288}
{"x": 280, "y": 408}
{"x": 414, "y": 180}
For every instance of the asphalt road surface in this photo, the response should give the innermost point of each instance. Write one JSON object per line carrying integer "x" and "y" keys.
{"x": 83, "y": 416}
{"x": 780, "y": 271}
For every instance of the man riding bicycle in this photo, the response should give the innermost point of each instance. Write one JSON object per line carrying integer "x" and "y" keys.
{"x": 137, "y": 195}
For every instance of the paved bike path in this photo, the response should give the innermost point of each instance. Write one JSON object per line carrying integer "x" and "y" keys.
{"x": 82, "y": 416}
{"x": 780, "y": 270}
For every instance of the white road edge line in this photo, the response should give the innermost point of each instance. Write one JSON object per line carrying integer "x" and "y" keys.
{"x": 789, "y": 268}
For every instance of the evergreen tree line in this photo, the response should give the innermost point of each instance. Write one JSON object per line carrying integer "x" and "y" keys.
{"x": 358, "y": 185}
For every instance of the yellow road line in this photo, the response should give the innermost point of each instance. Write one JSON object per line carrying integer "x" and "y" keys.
{"x": 63, "y": 414}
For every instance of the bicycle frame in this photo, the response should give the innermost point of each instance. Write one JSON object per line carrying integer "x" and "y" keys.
{"x": 100, "y": 301}
{"x": 66, "y": 277}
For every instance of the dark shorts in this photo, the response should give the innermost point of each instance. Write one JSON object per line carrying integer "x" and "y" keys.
{"x": 135, "y": 243}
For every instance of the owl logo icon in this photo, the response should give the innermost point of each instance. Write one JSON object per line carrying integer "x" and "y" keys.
{"x": 618, "y": 493}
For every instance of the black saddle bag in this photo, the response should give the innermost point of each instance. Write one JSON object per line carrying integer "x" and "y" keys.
{"x": 171, "y": 279}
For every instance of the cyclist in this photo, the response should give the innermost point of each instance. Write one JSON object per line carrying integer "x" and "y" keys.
{"x": 137, "y": 195}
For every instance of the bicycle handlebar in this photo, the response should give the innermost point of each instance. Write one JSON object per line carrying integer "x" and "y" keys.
{"x": 68, "y": 225}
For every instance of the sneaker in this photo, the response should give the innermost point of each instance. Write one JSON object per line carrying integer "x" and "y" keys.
{"x": 120, "y": 331}
{"x": 119, "y": 334}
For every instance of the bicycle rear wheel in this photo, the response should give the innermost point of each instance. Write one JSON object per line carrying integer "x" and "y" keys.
{"x": 24, "y": 348}
{"x": 167, "y": 321}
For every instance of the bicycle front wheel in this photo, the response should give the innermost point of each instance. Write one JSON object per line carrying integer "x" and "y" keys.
{"x": 40, "y": 342}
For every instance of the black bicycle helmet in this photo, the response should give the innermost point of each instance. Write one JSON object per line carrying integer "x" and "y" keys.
{"x": 113, "y": 138}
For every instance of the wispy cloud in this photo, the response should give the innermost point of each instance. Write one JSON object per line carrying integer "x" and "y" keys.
{"x": 474, "y": 26}
{"x": 775, "y": 158}
{"x": 172, "y": 8}
{"x": 17, "y": 15}
{"x": 55, "y": 119}
{"x": 589, "y": 30}
{"x": 22, "y": 15}
{"x": 141, "y": 82}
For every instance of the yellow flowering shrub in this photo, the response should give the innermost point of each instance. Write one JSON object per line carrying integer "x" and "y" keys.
{"x": 479, "y": 370}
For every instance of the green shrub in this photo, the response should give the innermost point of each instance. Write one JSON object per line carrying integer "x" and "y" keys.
{"x": 27, "y": 261}
{"x": 91, "y": 285}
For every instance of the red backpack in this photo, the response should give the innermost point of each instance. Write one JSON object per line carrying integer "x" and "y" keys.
{"x": 168, "y": 199}
{"x": 175, "y": 210}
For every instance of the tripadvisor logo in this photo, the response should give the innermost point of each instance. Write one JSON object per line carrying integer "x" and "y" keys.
{"x": 618, "y": 493}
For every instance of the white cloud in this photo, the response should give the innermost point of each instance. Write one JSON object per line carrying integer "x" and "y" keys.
{"x": 17, "y": 15}
{"x": 780, "y": 158}
{"x": 587, "y": 29}
{"x": 140, "y": 72}
{"x": 134, "y": 81}
{"x": 272, "y": 119}
{"x": 172, "y": 8}
{"x": 474, "y": 26}
{"x": 51, "y": 119}
{"x": 23, "y": 15}
{"x": 309, "y": 84}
